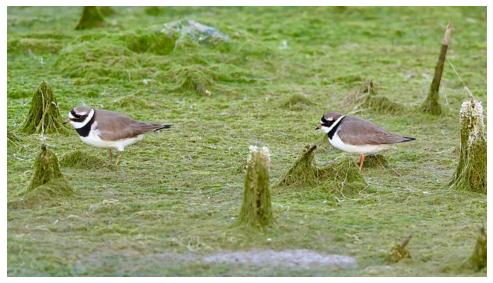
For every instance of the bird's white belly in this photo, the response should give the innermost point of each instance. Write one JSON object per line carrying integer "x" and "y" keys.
{"x": 94, "y": 140}
{"x": 367, "y": 148}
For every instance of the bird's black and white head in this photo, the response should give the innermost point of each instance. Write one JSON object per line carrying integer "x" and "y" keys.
{"x": 80, "y": 116}
{"x": 329, "y": 121}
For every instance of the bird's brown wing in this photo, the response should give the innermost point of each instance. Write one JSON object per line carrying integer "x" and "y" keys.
{"x": 115, "y": 126}
{"x": 360, "y": 132}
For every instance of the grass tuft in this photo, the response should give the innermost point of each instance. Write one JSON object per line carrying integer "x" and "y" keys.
{"x": 195, "y": 79}
{"x": 44, "y": 115}
{"x": 47, "y": 184}
{"x": 339, "y": 177}
{"x": 297, "y": 102}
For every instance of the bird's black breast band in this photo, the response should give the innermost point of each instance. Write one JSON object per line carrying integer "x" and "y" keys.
{"x": 332, "y": 132}
{"x": 84, "y": 131}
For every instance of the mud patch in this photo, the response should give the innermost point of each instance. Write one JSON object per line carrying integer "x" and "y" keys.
{"x": 285, "y": 258}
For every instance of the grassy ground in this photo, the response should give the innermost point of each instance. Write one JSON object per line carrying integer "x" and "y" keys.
{"x": 178, "y": 193}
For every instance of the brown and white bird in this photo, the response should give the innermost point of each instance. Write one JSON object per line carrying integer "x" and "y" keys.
{"x": 107, "y": 129}
{"x": 354, "y": 135}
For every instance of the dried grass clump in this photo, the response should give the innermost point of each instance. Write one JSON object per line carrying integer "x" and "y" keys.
{"x": 470, "y": 173}
{"x": 256, "y": 209}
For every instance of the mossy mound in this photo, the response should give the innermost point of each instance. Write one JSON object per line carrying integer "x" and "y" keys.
{"x": 303, "y": 171}
{"x": 196, "y": 79}
{"x": 101, "y": 61}
{"x": 47, "y": 184}
{"x": 342, "y": 177}
{"x": 297, "y": 102}
{"x": 90, "y": 18}
{"x": 478, "y": 259}
{"x": 470, "y": 173}
{"x": 83, "y": 160}
{"x": 366, "y": 97}
{"x": 154, "y": 11}
{"x": 44, "y": 115}
{"x": 375, "y": 161}
{"x": 34, "y": 45}
{"x": 132, "y": 102}
{"x": 256, "y": 209}
{"x": 153, "y": 42}
{"x": 381, "y": 104}
{"x": 106, "y": 11}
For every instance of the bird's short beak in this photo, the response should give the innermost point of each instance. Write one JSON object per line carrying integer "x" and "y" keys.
{"x": 66, "y": 121}
{"x": 318, "y": 127}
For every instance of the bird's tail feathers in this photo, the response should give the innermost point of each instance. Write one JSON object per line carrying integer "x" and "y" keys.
{"x": 163, "y": 126}
{"x": 407, "y": 139}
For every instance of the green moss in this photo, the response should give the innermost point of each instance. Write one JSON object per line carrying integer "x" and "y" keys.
{"x": 374, "y": 161}
{"x": 47, "y": 184}
{"x": 341, "y": 178}
{"x": 193, "y": 78}
{"x": 44, "y": 115}
{"x": 131, "y": 102}
{"x": 470, "y": 173}
{"x": 297, "y": 102}
{"x": 478, "y": 259}
{"x": 84, "y": 160}
{"x": 101, "y": 62}
{"x": 153, "y": 42}
{"x": 34, "y": 45}
{"x": 154, "y": 11}
{"x": 381, "y": 104}
{"x": 366, "y": 98}
{"x": 12, "y": 138}
{"x": 106, "y": 11}
{"x": 303, "y": 171}
{"x": 256, "y": 209}
{"x": 90, "y": 18}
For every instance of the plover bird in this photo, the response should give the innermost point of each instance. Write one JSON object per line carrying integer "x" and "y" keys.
{"x": 109, "y": 129}
{"x": 354, "y": 135}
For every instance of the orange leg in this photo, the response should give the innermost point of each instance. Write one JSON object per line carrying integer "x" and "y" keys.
{"x": 361, "y": 161}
